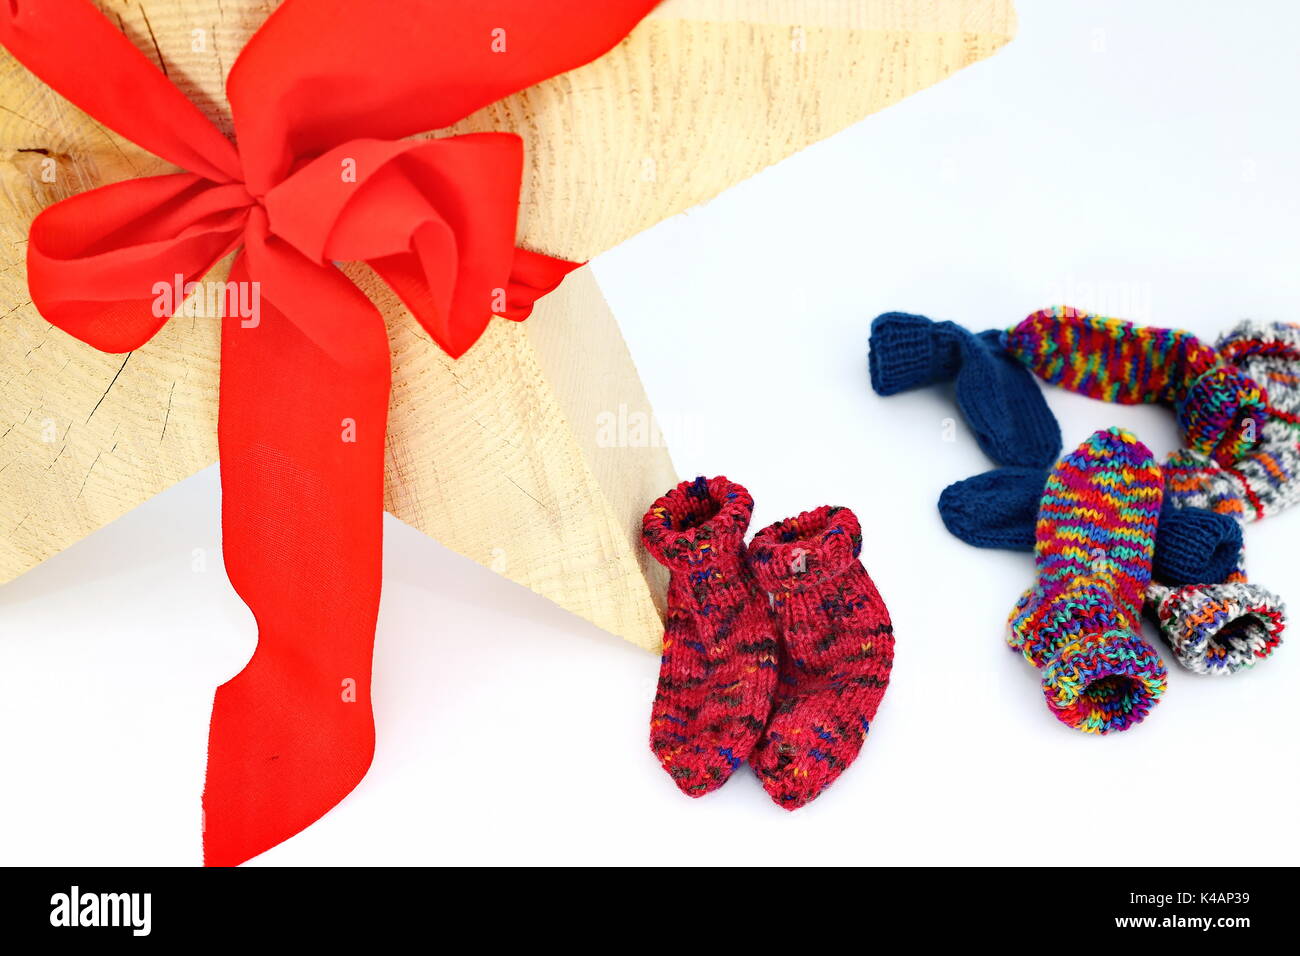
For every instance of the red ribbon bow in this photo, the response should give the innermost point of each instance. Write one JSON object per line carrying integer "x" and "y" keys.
{"x": 321, "y": 97}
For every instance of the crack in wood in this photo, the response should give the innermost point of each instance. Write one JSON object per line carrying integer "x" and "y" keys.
{"x": 16, "y": 308}
{"x": 521, "y": 488}
{"x": 41, "y": 344}
{"x": 88, "y": 471}
{"x": 162, "y": 64}
{"x": 168, "y": 414}
{"x": 110, "y": 386}
{"x": 216, "y": 49}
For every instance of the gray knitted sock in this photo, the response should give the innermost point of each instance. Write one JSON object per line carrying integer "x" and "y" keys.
{"x": 1221, "y": 628}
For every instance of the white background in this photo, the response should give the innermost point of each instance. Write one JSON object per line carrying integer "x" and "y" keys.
{"x": 1138, "y": 159}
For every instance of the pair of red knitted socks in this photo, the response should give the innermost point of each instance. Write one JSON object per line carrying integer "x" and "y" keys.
{"x": 777, "y": 653}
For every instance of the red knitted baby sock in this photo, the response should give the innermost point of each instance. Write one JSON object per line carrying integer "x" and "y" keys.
{"x": 718, "y": 673}
{"x": 838, "y": 647}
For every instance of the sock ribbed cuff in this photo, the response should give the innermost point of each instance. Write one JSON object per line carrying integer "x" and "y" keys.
{"x": 1218, "y": 629}
{"x": 1104, "y": 682}
{"x": 698, "y": 523}
{"x": 1098, "y": 674}
{"x": 909, "y": 351}
{"x": 800, "y": 553}
{"x": 1195, "y": 546}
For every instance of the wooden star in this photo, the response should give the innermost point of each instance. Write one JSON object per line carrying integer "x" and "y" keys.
{"x": 503, "y": 455}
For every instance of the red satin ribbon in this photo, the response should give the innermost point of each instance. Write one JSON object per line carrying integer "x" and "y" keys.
{"x": 323, "y": 85}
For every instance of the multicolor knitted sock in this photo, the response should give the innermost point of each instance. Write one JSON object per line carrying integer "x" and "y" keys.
{"x": 999, "y": 400}
{"x": 1222, "y": 628}
{"x": 1080, "y": 623}
{"x": 1117, "y": 361}
{"x": 1109, "y": 359}
{"x": 1218, "y": 629}
{"x": 839, "y": 647}
{"x": 999, "y": 509}
{"x": 720, "y": 654}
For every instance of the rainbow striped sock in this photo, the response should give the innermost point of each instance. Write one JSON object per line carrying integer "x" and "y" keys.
{"x": 1109, "y": 359}
{"x": 1080, "y": 623}
{"x": 1220, "y": 409}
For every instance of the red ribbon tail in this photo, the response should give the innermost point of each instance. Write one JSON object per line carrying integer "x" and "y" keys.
{"x": 533, "y": 275}
{"x": 301, "y": 435}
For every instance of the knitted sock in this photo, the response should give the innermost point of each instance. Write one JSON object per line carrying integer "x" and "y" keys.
{"x": 999, "y": 509}
{"x": 1117, "y": 361}
{"x": 1109, "y": 359}
{"x": 719, "y": 667}
{"x": 839, "y": 647}
{"x": 1079, "y": 624}
{"x": 999, "y": 400}
{"x": 1219, "y": 628}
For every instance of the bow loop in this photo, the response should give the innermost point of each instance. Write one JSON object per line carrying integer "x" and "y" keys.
{"x": 322, "y": 72}
{"x": 96, "y": 262}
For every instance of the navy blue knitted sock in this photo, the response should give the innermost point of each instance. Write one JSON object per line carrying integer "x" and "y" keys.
{"x": 997, "y": 395}
{"x": 999, "y": 509}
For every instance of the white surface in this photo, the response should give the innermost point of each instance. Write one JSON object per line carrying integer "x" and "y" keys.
{"x": 1136, "y": 159}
